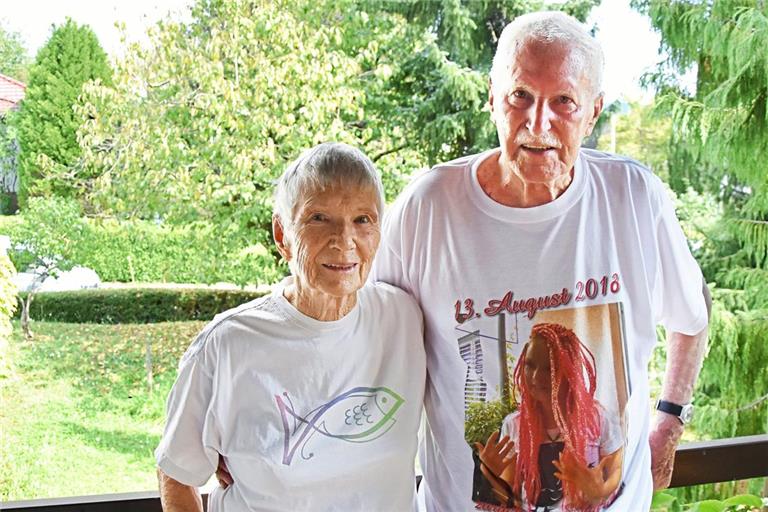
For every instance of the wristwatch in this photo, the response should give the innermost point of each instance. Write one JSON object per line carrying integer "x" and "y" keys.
{"x": 684, "y": 413}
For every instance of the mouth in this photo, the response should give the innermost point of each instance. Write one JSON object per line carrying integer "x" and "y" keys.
{"x": 539, "y": 150}
{"x": 341, "y": 267}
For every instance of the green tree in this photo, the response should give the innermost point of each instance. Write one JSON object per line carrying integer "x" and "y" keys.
{"x": 14, "y": 61}
{"x": 210, "y": 112}
{"x": 638, "y": 131}
{"x": 47, "y": 124}
{"x": 49, "y": 231}
{"x": 723, "y": 126}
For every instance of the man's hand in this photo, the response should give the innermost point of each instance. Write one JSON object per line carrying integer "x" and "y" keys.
{"x": 222, "y": 474}
{"x": 664, "y": 438}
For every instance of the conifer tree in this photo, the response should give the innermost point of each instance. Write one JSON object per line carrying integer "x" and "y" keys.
{"x": 723, "y": 128}
{"x": 46, "y": 123}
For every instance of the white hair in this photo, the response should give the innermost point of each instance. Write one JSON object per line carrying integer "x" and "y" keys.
{"x": 326, "y": 165}
{"x": 550, "y": 28}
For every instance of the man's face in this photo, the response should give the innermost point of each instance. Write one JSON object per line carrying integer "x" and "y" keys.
{"x": 543, "y": 107}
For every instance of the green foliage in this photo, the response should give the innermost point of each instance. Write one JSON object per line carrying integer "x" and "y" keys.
{"x": 483, "y": 419}
{"x": 211, "y": 111}
{"x": 47, "y": 124}
{"x": 666, "y": 501}
{"x": 79, "y": 396}
{"x": 136, "y": 305}
{"x": 721, "y": 131}
{"x": 13, "y": 57}
{"x": 136, "y": 250}
{"x": 731, "y": 401}
{"x": 46, "y": 236}
{"x": 639, "y": 132}
{"x": 7, "y": 299}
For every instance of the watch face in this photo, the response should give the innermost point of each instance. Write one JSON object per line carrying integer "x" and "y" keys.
{"x": 686, "y": 415}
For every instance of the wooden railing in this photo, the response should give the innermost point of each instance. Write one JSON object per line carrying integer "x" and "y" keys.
{"x": 695, "y": 463}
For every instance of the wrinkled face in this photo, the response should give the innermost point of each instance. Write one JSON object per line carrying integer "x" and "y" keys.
{"x": 332, "y": 241}
{"x": 543, "y": 107}
{"x": 538, "y": 380}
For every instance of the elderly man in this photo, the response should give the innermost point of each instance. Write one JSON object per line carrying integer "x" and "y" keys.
{"x": 493, "y": 243}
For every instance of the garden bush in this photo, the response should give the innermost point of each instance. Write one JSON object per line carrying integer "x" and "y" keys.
{"x": 136, "y": 305}
{"x": 138, "y": 250}
{"x": 7, "y": 297}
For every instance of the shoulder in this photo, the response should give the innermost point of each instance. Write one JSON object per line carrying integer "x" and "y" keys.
{"x": 385, "y": 297}
{"x": 436, "y": 181}
{"x": 611, "y": 164}
{"x": 246, "y": 317}
{"x": 620, "y": 173}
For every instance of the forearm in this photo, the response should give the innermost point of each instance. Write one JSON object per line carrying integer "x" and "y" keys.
{"x": 177, "y": 497}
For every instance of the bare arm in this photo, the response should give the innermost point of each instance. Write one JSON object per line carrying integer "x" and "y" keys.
{"x": 177, "y": 497}
{"x": 684, "y": 357}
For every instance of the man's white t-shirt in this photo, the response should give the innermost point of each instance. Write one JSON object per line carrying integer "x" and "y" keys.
{"x": 606, "y": 259}
{"x": 309, "y": 415}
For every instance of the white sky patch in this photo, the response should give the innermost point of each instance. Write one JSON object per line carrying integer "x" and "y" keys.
{"x": 33, "y": 19}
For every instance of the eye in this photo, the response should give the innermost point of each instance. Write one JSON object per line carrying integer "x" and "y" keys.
{"x": 518, "y": 95}
{"x": 317, "y": 217}
{"x": 564, "y": 100}
{"x": 363, "y": 219}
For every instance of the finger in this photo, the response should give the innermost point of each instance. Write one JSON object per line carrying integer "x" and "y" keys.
{"x": 479, "y": 447}
{"x": 504, "y": 451}
{"x": 222, "y": 473}
{"x": 494, "y": 437}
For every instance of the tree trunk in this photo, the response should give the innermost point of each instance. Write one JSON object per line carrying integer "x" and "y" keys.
{"x": 25, "y": 304}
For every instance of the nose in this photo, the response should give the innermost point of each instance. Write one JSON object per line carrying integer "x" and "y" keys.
{"x": 540, "y": 376}
{"x": 342, "y": 237}
{"x": 539, "y": 116}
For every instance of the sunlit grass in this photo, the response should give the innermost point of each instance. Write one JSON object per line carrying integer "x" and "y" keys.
{"x": 77, "y": 415}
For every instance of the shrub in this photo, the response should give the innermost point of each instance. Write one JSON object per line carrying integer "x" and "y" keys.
{"x": 136, "y": 305}
{"x": 137, "y": 250}
{"x": 7, "y": 297}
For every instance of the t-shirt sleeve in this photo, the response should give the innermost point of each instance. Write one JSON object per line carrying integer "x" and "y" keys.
{"x": 188, "y": 450}
{"x": 678, "y": 298}
{"x": 388, "y": 265}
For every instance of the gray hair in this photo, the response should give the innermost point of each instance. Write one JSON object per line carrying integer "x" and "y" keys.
{"x": 550, "y": 28}
{"x": 326, "y": 165}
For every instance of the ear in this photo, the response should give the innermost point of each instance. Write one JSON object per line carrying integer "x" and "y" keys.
{"x": 490, "y": 96}
{"x": 597, "y": 109}
{"x": 278, "y": 232}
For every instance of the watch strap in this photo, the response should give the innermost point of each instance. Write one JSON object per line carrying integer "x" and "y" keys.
{"x": 669, "y": 408}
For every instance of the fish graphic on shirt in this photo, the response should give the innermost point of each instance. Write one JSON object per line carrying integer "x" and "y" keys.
{"x": 359, "y": 415}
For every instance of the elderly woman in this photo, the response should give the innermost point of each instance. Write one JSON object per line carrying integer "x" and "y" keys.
{"x": 312, "y": 395}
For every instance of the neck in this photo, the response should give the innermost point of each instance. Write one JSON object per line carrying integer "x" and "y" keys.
{"x": 501, "y": 182}
{"x": 319, "y": 305}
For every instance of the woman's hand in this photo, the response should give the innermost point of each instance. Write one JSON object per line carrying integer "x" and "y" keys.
{"x": 495, "y": 453}
{"x": 222, "y": 474}
{"x": 596, "y": 484}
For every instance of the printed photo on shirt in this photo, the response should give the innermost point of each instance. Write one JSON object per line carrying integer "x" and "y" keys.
{"x": 544, "y": 399}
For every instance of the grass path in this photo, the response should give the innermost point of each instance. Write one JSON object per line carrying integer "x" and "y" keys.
{"x": 76, "y": 414}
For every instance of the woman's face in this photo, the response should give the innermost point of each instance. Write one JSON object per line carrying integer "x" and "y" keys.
{"x": 538, "y": 379}
{"x": 332, "y": 241}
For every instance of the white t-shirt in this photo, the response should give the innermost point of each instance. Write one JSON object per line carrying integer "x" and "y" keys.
{"x": 309, "y": 415}
{"x": 485, "y": 274}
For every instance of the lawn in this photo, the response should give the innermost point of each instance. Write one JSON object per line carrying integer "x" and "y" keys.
{"x": 77, "y": 415}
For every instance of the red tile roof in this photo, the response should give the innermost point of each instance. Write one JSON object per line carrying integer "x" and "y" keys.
{"x": 11, "y": 92}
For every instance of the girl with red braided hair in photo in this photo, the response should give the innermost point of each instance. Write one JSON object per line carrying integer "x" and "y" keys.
{"x": 559, "y": 450}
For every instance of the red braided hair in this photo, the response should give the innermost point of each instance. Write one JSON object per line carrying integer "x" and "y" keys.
{"x": 576, "y": 411}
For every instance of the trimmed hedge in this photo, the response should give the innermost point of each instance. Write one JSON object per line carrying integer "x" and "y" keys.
{"x": 135, "y": 305}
